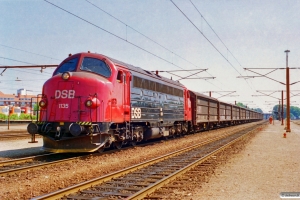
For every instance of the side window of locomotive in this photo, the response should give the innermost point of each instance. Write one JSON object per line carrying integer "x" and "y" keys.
{"x": 68, "y": 66}
{"x": 95, "y": 65}
{"x": 157, "y": 87}
{"x": 120, "y": 77}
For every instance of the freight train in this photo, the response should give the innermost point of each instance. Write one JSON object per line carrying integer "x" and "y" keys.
{"x": 93, "y": 102}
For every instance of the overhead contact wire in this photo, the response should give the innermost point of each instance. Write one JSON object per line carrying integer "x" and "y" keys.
{"x": 142, "y": 34}
{"x": 220, "y": 40}
{"x": 28, "y": 52}
{"x": 112, "y": 34}
{"x": 205, "y": 37}
{"x": 149, "y": 39}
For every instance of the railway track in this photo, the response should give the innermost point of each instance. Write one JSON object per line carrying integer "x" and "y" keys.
{"x": 16, "y": 135}
{"x": 34, "y": 162}
{"x": 139, "y": 181}
{"x": 14, "y": 131}
{"x": 24, "y": 164}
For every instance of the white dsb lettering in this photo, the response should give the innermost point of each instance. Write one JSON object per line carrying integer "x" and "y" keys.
{"x": 64, "y": 94}
{"x": 70, "y": 94}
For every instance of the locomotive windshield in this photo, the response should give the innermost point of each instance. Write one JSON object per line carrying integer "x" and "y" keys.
{"x": 67, "y": 66}
{"x": 95, "y": 65}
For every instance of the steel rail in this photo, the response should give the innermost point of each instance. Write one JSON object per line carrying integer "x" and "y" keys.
{"x": 7, "y": 163}
{"x": 35, "y": 166}
{"x": 17, "y": 135}
{"x": 14, "y": 132}
{"x": 150, "y": 189}
{"x": 22, "y": 160}
{"x": 99, "y": 180}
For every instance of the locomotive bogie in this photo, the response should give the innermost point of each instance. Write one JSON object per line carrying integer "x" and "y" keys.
{"x": 74, "y": 144}
{"x": 153, "y": 133}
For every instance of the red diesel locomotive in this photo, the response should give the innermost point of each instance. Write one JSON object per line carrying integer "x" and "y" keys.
{"x": 92, "y": 102}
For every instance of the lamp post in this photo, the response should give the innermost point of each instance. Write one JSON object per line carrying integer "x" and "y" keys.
{"x": 288, "y": 128}
{"x": 282, "y": 108}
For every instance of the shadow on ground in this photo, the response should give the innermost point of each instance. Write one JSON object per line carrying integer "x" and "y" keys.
{"x": 16, "y": 153}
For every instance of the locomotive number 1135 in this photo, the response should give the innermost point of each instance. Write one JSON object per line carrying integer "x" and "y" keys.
{"x": 63, "y": 105}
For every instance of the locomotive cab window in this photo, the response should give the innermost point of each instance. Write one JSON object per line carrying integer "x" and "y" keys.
{"x": 120, "y": 77}
{"x": 96, "y": 66}
{"x": 68, "y": 66}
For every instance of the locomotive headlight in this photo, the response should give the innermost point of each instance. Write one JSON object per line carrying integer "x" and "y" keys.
{"x": 43, "y": 103}
{"x": 89, "y": 103}
{"x": 65, "y": 75}
{"x": 92, "y": 102}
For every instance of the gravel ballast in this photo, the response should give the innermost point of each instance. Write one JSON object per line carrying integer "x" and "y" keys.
{"x": 40, "y": 181}
{"x": 263, "y": 168}
{"x": 269, "y": 165}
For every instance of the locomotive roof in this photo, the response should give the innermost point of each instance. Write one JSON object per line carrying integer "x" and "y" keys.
{"x": 145, "y": 72}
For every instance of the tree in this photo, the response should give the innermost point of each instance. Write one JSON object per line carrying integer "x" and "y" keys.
{"x": 241, "y": 105}
{"x": 36, "y": 107}
{"x": 294, "y": 111}
{"x": 292, "y": 116}
{"x": 258, "y": 110}
{"x": 244, "y": 106}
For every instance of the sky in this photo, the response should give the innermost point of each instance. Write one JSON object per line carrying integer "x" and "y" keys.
{"x": 224, "y": 37}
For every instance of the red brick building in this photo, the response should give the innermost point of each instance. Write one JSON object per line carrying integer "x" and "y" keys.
{"x": 22, "y": 99}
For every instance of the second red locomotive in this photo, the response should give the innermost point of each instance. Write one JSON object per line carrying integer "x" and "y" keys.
{"x": 92, "y": 102}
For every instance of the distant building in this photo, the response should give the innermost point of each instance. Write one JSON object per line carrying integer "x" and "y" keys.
{"x": 22, "y": 99}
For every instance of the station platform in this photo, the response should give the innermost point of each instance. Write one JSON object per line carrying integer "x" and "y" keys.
{"x": 18, "y": 147}
{"x": 267, "y": 166}
{"x": 5, "y": 128}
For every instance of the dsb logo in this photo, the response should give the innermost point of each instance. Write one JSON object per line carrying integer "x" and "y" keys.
{"x": 70, "y": 94}
{"x": 136, "y": 113}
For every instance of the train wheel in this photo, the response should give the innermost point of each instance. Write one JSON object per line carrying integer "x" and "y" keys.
{"x": 133, "y": 143}
{"x": 118, "y": 145}
{"x": 100, "y": 150}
